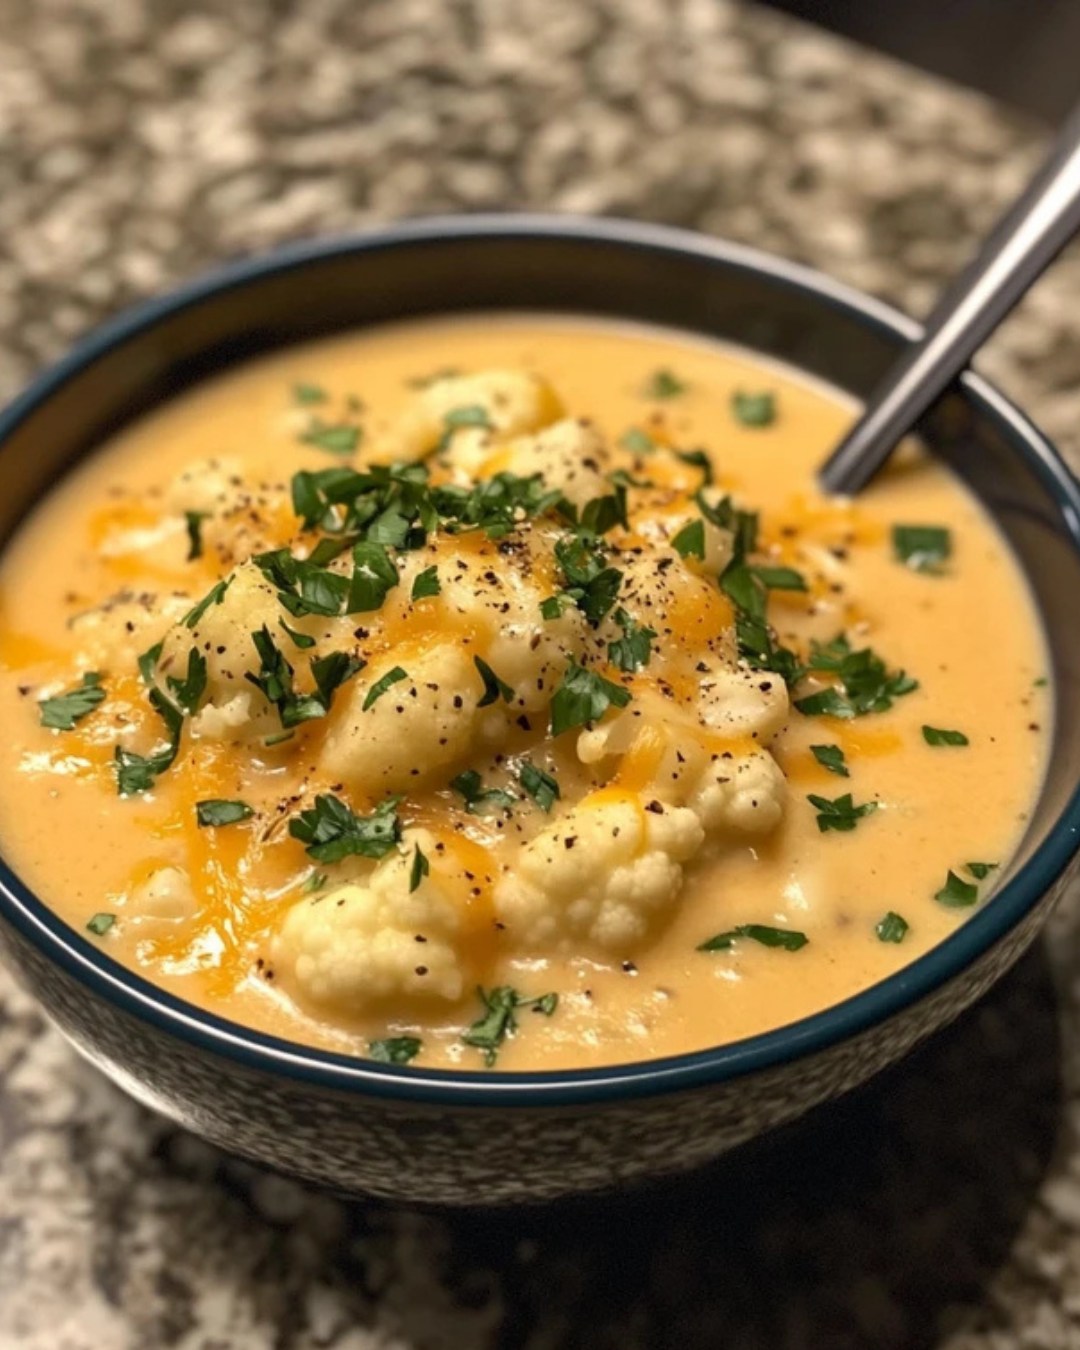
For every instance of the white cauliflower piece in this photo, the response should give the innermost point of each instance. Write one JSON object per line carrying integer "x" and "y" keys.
{"x": 601, "y": 875}
{"x": 165, "y": 898}
{"x": 570, "y": 455}
{"x": 412, "y": 734}
{"x": 743, "y": 702}
{"x": 742, "y": 794}
{"x": 512, "y": 401}
{"x": 662, "y": 529}
{"x": 359, "y": 944}
{"x": 114, "y": 634}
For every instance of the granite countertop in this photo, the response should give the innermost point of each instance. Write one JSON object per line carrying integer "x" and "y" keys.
{"x": 144, "y": 139}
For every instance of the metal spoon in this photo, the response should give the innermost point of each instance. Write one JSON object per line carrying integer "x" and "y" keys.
{"x": 1021, "y": 246}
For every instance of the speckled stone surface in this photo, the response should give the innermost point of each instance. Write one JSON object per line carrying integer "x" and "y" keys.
{"x": 141, "y": 140}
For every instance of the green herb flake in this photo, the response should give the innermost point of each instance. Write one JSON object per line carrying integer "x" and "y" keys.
{"x": 780, "y": 578}
{"x": 555, "y": 606}
{"x": 468, "y": 415}
{"x": 981, "y": 870}
{"x": 187, "y": 690}
{"x": 826, "y": 703}
{"x": 395, "y": 1049}
{"x": 216, "y": 811}
{"x": 867, "y": 685}
{"x": 664, "y": 384}
{"x": 314, "y": 882}
{"x": 892, "y": 928}
{"x": 336, "y": 438}
{"x": 590, "y": 582}
{"x": 923, "y": 548}
{"x": 100, "y": 924}
{"x": 214, "y": 596}
{"x": 375, "y": 574}
{"x": 494, "y": 688}
{"x": 193, "y": 521}
{"x": 147, "y": 662}
{"x": 302, "y": 640}
{"x": 584, "y": 697}
{"x": 419, "y": 870}
{"x": 938, "y": 736}
{"x": 957, "y": 893}
{"x": 754, "y": 410}
{"x": 689, "y": 542}
{"x": 633, "y": 650}
{"x": 541, "y": 786}
{"x": 498, "y": 1022}
{"x": 330, "y": 831}
{"x": 477, "y": 798}
{"x": 62, "y": 711}
{"x": 381, "y": 685}
{"x": 787, "y": 939}
{"x": 426, "y": 584}
{"x": 637, "y": 441}
{"x": 840, "y": 814}
{"x": 698, "y": 459}
{"x": 137, "y": 773}
{"x": 831, "y": 757}
{"x": 307, "y": 394}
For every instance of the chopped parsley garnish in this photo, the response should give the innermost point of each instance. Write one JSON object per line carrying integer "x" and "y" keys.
{"x": 727, "y": 516}
{"x": 214, "y": 596}
{"x": 100, "y": 924}
{"x": 867, "y": 685}
{"x": 216, "y": 811}
{"x": 426, "y": 583}
{"x": 336, "y": 438}
{"x": 147, "y": 662}
{"x": 584, "y": 697}
{"x": 382, "y": 684}
{"x": 698, "y": 459}
{"x": 744, "y": 589}
{"x": 193, "y": 521}
{"x": 788, "y": 939}
{"x": 689, "y": 542}
{"x": 302, "y": 640}
{"x": 395, "y": 1049}
{"x": 754, "y": 410}
{"x": 831, "y": 757}
{"x": 957, "y": 893}
{"x": 494, "y": 688}
{"x": 306, "y": 394}
{"x": 330, "y": 831}
{"x": 498, "y": 1021}
{"x": 664, "y": 384}
{"x": 892, "y": 928}
{"x": 939, "y": 736}
{"x": 275, "y": 679}
{"x": 468, "y": 415}
{"x": 374, "y": 575}
{"x": 541, "y": 786}
{"x": 477, "y": 798}
{"x": 841, "y": 814}
{"x": 637, "y": 442}
{"x": 603, "y": 513}
{"x": 634, "y": 649}
{"x": 62, "y": 711}
{"x": 981, "y": 870}
{"x": 923, "y": 548}
{"x": 590, "y": 582}
{"x": 419, "y": 870}
{"x": 780, "y": 578}
{"x": 187, "y": 691}
{"x": 555, "y": 606}
{"x": 136, "y": 773}
{"x": 304, "y": 586}
{"x": 315, "y": 881}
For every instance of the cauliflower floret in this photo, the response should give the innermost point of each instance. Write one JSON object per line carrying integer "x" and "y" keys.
{"x": 417, "y": 729}
{"x": 222, "y": 633}
{"x": 745, "y": 795}
{"x": 512, "y": 402}
{"x": 357, "y": 945}
{"x": 164, "y": 899}
{"x": 115, "y": 633}
{"x": 602, "y": 874}
{"x": 743, "y": 702}
{"x": 662, "y": 529}
{"x": 571, "y": 456}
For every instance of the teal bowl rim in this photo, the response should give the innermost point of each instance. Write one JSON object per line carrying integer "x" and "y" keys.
{"x": 325, "y": 1070}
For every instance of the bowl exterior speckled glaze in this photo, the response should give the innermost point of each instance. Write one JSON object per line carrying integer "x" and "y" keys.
{"x": 413, "y": 1134}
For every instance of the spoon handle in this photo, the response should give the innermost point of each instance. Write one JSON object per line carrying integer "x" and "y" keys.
{"x": 1021, "y": 246}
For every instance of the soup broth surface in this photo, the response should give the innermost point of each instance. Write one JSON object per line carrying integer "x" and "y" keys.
{"x": 823, "y": 904}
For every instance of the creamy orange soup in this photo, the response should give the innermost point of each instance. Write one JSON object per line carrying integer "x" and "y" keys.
{"x": 502, "y": 691}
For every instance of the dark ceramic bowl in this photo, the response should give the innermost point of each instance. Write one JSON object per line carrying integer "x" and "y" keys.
{"x": 490, "y": 1137}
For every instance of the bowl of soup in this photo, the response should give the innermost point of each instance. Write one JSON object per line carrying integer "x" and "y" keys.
{"x": 453, "y": 749}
